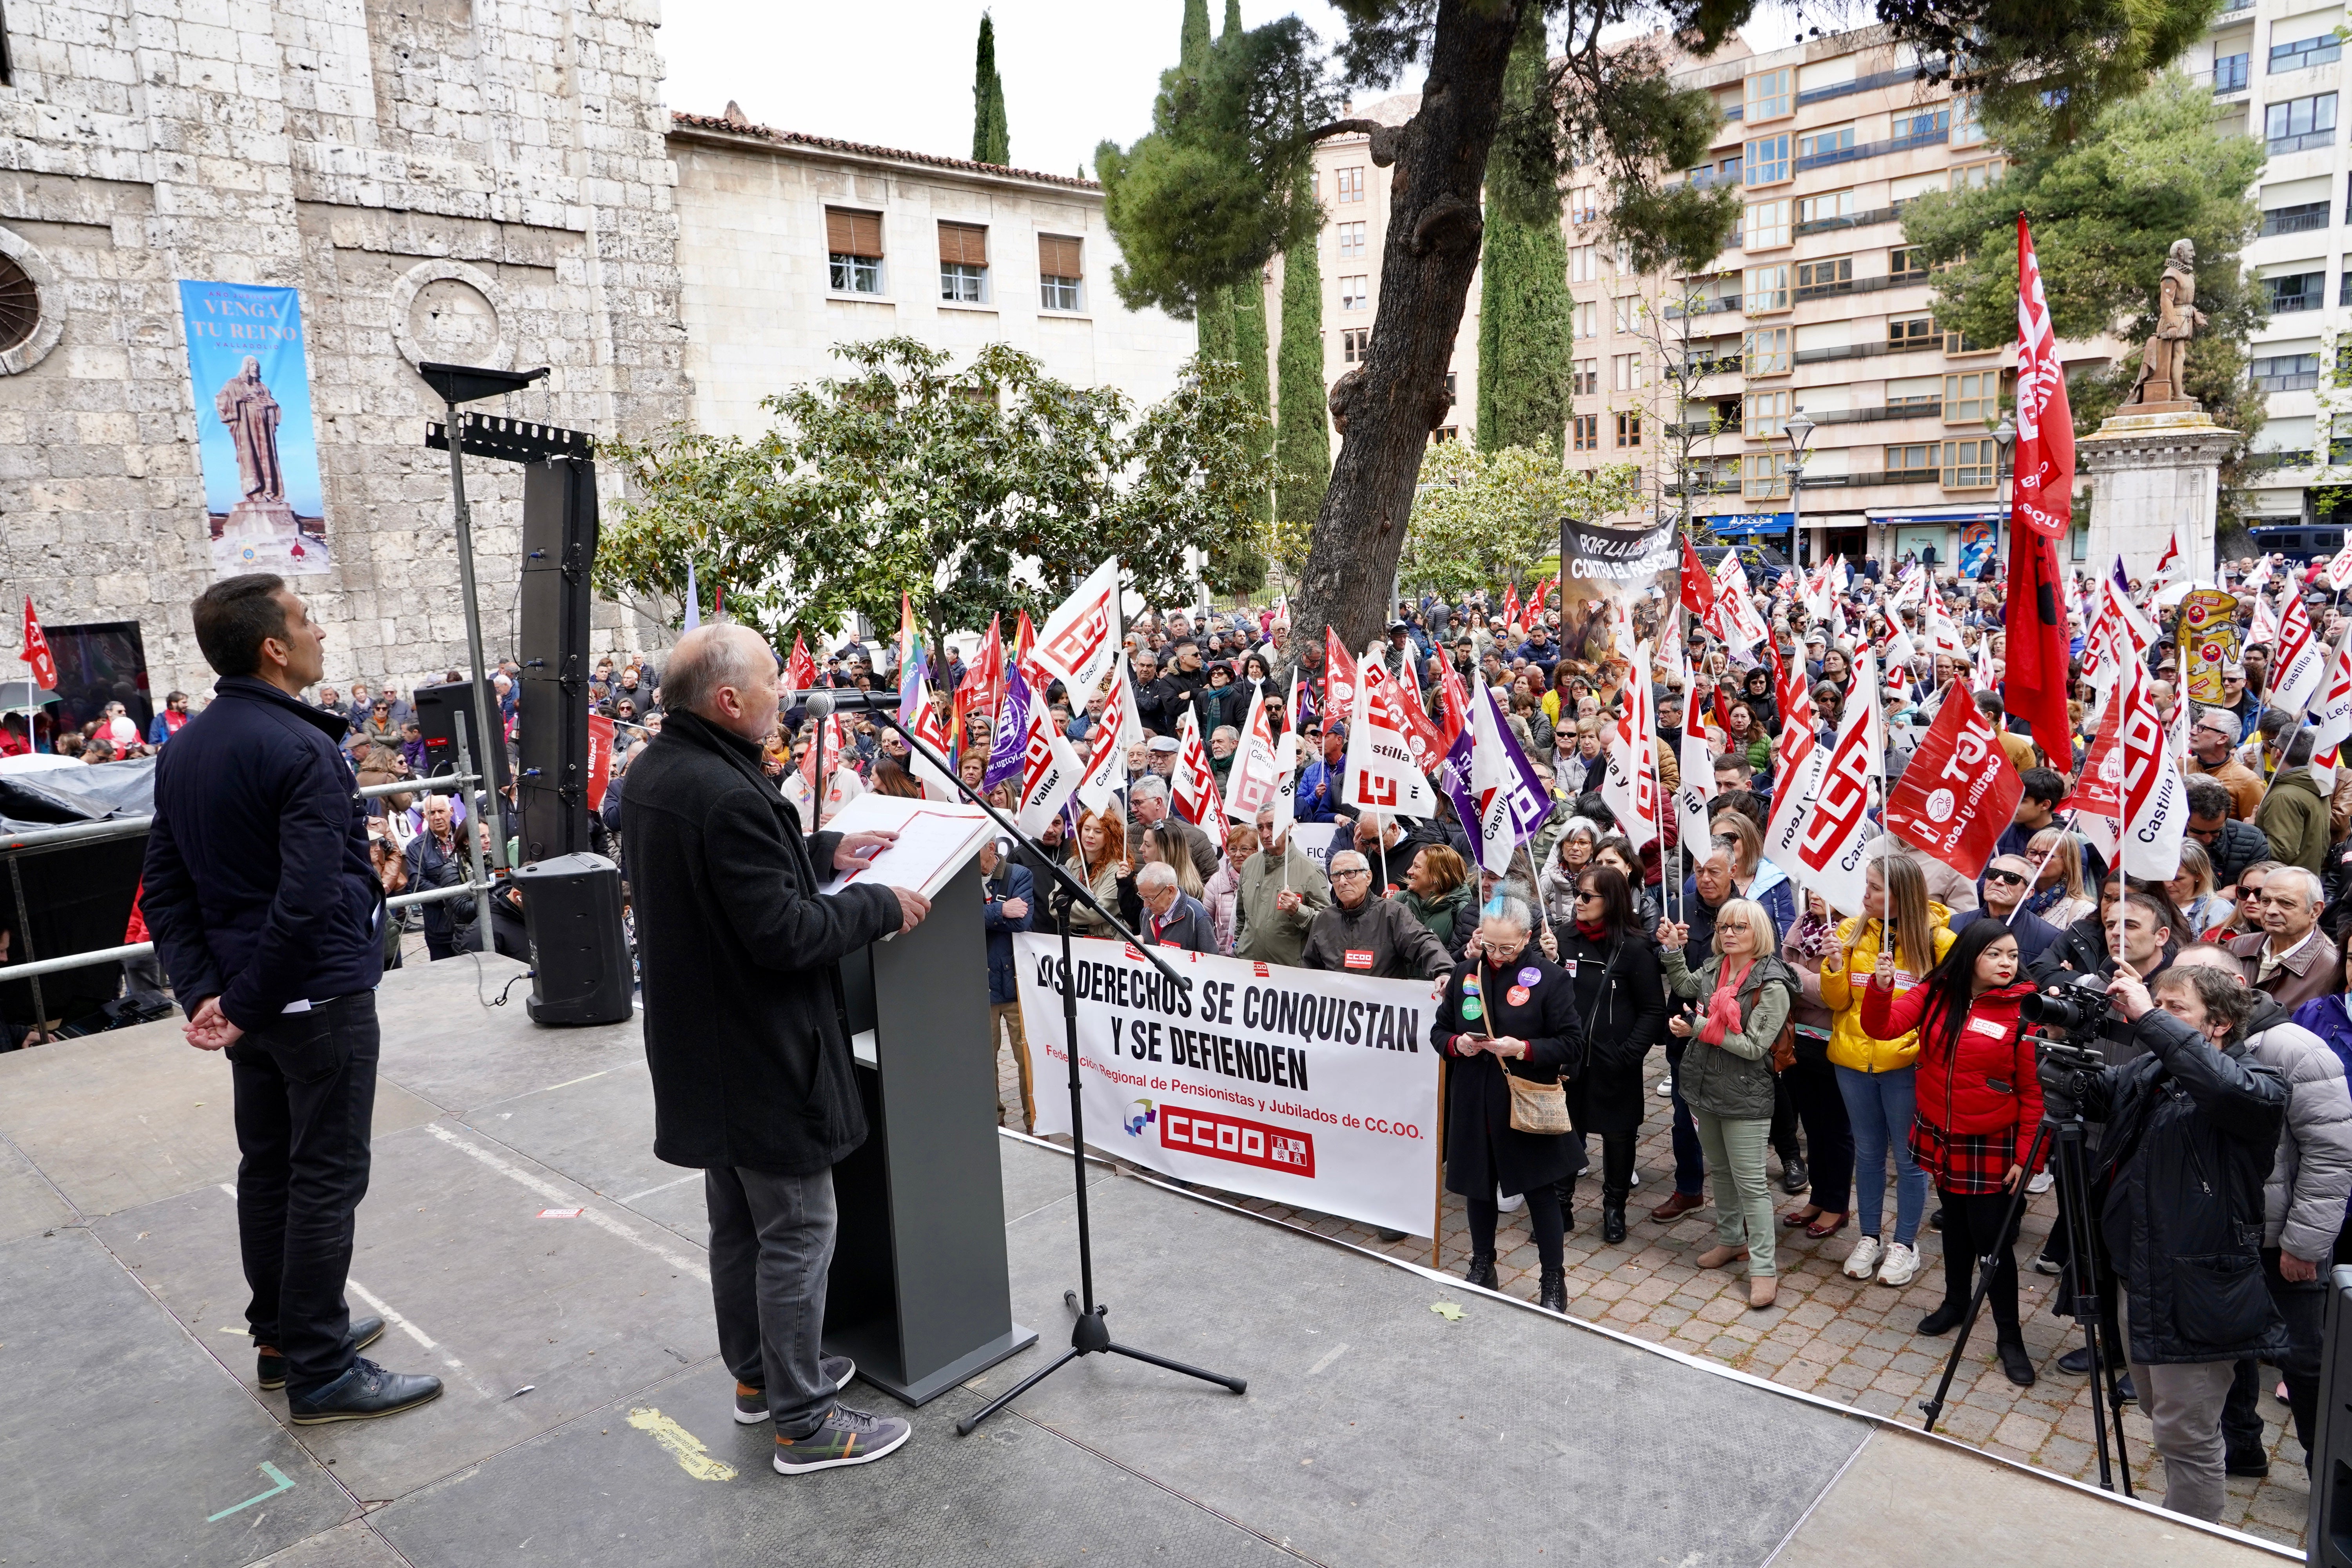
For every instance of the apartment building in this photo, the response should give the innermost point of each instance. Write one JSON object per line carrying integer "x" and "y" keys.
{"x": 2276, "y": 69}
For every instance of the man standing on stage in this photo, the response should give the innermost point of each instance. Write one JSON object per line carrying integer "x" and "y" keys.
{"x": 744, "y": 1029}
{"x": 268, "y": 917}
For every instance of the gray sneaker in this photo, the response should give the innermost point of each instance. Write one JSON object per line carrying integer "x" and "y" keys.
{"x": 752, "y": 1403}
{"x": 845, "y": 1436}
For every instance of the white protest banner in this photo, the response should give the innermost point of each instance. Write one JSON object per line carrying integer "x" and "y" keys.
{"x": 1081, "y": 638}
{"x": 1300, "y": 1085}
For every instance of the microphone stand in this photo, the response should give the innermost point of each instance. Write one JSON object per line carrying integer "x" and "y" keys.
{"x": 1091, "y": 1335}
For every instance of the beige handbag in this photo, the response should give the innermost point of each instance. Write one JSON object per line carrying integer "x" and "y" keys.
{"x": 1540, "y": 1108}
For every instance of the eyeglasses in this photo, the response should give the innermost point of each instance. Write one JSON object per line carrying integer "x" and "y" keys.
{"x": 2016, "y": 877}
{"x": 1355, "y": 873}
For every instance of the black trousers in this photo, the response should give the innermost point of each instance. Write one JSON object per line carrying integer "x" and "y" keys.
{"x": 2304, "y": 1305}
{"x": 1972, "y": 1227}
{"x": 1813, "y": 1085}
{"x": 1784, "y": 1121}
{"x": 305, "y": 1089}
{"x": 1543, "y": 1218}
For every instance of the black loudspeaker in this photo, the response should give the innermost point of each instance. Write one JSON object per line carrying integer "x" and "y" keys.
{"x": 2327, "y": 1534}
{"x": 442, "y": 712}
{"x": 580, "y": 954}
{"x": 559, "y": 547}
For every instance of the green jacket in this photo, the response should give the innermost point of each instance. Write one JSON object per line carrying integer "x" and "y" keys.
{"x": 1734, "y": 1079}
{"x": 1447, "y": 916}
{"x": 2294, "y": 819}
{"x": 1264, "y": 933}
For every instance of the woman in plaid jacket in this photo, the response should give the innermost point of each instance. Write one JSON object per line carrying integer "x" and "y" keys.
{"x": 1979, "y": 1103}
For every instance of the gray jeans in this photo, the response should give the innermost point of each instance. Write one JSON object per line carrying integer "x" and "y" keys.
{"x": 771, "y": 1245}
{"x": 2184, "y": 1406}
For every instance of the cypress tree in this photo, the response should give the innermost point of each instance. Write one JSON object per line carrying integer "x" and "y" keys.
{"x": 992, "y": 136}
{"x": 1192, "y": 46}
{"x": 1525, "y": 329}
{"x": 1214, "y": 322}
{"x": 1248, "y": 304}
{"x": 1302, "y": 434}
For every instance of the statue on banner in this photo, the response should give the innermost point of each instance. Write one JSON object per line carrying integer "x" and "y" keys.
{"x": 245, "y": 405}
{"x": 2164, "y": 360}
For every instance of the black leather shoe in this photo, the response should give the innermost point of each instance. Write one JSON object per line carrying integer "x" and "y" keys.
{"x": 270, "y": 1366}
{"x": 2252, "y": 1462}
{"x": 2015, "y": 1362}
{"x": 1481, "y": 1270}
{"x": 1612, "y": 1220}
{"x": 2076, "y": 1361}
{"x": 362, "y": 1393}
{"x": 1551, "y": 1293}
{"x": 1795, "y": 1177}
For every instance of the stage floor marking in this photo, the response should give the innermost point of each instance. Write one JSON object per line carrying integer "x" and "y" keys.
{"x": 273, "y": 1474}
{"x": 596, "y": 1217}
{"x": 691, "y": 1456}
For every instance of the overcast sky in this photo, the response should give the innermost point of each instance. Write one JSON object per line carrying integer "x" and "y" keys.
{"x": 899, "y": 72}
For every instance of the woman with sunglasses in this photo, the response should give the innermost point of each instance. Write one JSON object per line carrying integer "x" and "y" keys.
{"x": 2060, "y": 895}
{"x": 1612, "y": 965}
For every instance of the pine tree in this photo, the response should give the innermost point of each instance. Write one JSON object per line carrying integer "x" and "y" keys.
{"x": 992, "y": 136}
{"x": 1526, "y": 327}
{"x": 1302, "y": 434}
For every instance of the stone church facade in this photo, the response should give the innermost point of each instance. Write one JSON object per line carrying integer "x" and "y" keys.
{"x": 439, "y": 180}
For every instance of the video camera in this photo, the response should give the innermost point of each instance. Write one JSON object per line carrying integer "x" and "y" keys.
{"x": 2062, "y": 1019}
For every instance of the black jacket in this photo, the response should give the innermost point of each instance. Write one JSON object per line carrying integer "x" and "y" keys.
{"x": 744, "y": 1017}
{"x": 258, "y": 884}
{"x": 2191, "y": 1132}
{"x": 428, "y": 868}
{"x": 2241, "y": 845}
{"x": 2081, "y": 947}
{"x": 1482, "y": 1150}
{"x": 1621, "y": 1006}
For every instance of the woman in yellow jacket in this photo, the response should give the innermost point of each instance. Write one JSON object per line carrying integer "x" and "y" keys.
{"x": 1875, "y": 1076}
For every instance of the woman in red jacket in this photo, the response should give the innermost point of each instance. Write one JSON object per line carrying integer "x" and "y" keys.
{"x": 1978, "y": 1105}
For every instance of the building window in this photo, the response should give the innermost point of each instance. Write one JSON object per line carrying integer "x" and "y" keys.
{"x": 1920, "y": 125}
{"x": 2344, "y": 291}
{"x": 1629, "y": 429}
{"x": 1968, "y": 465}
{"x": 1587, "y": 430}
{"x": 2302, "y": 217}
{"x": 1351, "y": 240}
{"x": 1443, "y": 433}
{"x": 1581, "y": 207}
{"x": 1629, "y": 312}
{"x": 1832, "y": 275}
{"x": 1355, "y": 291}
{"x": 1350, "y": 183}
{"x": 1766, "y": 415}
{"x": 1355, "y": 345}
{"x": 2319, "y": 51}
{"x": 1588, "y": 318}
{"x": 1831, "y": 146}
{"x": 2229, "y": 74}
{"x": 852, "y": 241}
{"x": 1825, "y": 208}
{"x": 1767, "y": 351}
{"x": 1907, "y": 263}
{"x": 1769, "y": 95}
{"x": 2286, "y": 372}
{"x": 1764, "y": 476}
{"x": 1059, "y": 275}
{"x": 1626, "y": 372}
{"x": 2301, "y": 123}
{"x": 1587, "y": 378}
{"x": 963, "y": 263}
{"x": 1768, "y": 287}
{"x": 1910, "y": 333}
{"x": 1967, "y": 124}
{"x": 1977, "y": 176}
{"x": 1583, "y": 263}
{"x": 1971, "y": 397}
{"x": 1767, "y": 225}
{"x": 2297, "y": 291}
{"x": 1768, "y": 160}
{"x": 1961, "y": 343}
{"x": 1912, "y": 462}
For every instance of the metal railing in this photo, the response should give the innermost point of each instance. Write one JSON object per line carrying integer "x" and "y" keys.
{"x": 71, "y": 834}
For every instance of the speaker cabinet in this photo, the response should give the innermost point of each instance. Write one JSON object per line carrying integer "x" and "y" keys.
{"x": 559, "y": 547}
{"x": 580, "y": 952}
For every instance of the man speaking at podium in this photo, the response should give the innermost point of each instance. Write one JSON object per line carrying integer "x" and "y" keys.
{"x": 746, "y": 1029}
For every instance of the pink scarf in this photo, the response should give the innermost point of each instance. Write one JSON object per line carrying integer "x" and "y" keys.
{"x": 1723, "y": 1007}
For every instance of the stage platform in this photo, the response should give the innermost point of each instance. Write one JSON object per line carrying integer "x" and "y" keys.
{"x": 587, "y": 1419}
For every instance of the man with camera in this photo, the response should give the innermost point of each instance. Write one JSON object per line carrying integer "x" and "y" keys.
{"x": 2192, "y": 1129}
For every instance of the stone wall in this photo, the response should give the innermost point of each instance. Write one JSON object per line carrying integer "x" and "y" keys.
{"x": 480, "y": 182}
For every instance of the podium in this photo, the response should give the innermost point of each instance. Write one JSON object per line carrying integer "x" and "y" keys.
{"x": 919, "y": 1295}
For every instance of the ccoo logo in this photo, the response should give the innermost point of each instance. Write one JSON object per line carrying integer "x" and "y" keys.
{"x": 1142, "y": 1118}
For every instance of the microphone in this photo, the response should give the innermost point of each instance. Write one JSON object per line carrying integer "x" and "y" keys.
{"x": 822, "y": 703}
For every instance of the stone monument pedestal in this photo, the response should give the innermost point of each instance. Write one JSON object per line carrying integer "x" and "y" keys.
{"x": 262, "y": 533}
{"x": 2155, "y": 471}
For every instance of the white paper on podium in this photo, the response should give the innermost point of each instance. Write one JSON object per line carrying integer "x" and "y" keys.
{"x": 935, "y": 839}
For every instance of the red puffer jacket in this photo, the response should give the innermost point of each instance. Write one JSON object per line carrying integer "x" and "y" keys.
{"x": 1982, "y": 1083}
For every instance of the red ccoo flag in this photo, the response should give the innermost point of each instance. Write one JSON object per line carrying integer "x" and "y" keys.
{"x": 2041, "y": 511}
{"x": 1959, "y": 792}
{"x": 1698, "y": 587}
{"x": 37, "y": 651}
{"x": 800, "y": 670}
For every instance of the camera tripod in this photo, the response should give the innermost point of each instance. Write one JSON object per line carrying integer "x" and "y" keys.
{"x": 2061, "y": 1137}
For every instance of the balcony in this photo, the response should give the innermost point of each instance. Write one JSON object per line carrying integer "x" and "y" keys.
{"x": 2302, "y": 218}
{"x": 2306, "y": 292}
{"x": 1919, "y": 408}
{"x": 2303, "y": 141}
{"x": 1849, "y": 350}
{"x": 1850, "y": 220}
{"x": 1853, "y": 286}
{"x": 2230, "y": 7}
{"x": 1876, "y": 79}
{"x": 1704, "y": 308}
{"x": 2229, "y": 75}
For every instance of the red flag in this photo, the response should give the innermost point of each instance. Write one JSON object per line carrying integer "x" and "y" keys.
{"x": 37, "y": 651}
{"x": 1698, "y": 587}
{"x": 600, "y": 758}
{"x": 1959, "y": 793}
{"x": 983, "y": 689}
{"x": 1338, "y": 679}
{"x": 800, "y": 670}
{"x": 2034, "y": 677}
{"x": 1794, "y": 696}
{"x": 1025, "y": 653}
{"x": 1511, "y": 607}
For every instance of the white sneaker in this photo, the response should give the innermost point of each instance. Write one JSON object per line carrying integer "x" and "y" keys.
{"x": 1666, "y": 1089}
{"x": 1864, "y": 1258}
{"x": 1901, "y": 1266}
{"x": 2040, "y": 1183}
{"x": 1634, "y": 1180}
{"x": 1509, "y": 1203}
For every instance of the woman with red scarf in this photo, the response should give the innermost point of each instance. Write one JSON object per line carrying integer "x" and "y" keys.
{"x": 1978, "y": 1104}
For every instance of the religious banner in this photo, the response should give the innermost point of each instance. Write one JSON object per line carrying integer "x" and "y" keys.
{"x": 2209, "y": 642}
{"x": 254, "y": 445}
{"x": 1312, "y": 1088}
{"x": 1608, "y": 579}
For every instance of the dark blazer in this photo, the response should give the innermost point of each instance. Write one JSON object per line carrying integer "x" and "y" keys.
{"x": 740, "y": 958}
{"x": 1621, "y": 1002}
{"x": 258, "y": 884}
{"x": 1011, "y": 881}
{"x": 1188, "y": 927}
{"x": 1482, "y": 1150}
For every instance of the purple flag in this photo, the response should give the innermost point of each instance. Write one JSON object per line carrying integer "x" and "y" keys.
{"x": 1008, "y": 748}
{"x": 1453, "y": 778}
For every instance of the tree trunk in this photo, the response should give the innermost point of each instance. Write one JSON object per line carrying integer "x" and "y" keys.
{"x": 1387, "y": 409}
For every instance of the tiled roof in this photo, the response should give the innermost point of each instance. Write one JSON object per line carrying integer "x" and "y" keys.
{"x": 899, "y": 155}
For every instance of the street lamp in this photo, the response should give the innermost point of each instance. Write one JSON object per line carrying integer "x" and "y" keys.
{"x": 2004, "y": 439}
{"x": 1800, "y": 430}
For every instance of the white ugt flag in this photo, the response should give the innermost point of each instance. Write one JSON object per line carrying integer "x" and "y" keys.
{"x": 2298, "y": 660}
{"x": 1079, "y": 640}
{"x": 1050, "y": 771}
{"x": 1121, "y": 726}
{"x": 2156, "y": 804}
{"x": 1381, "y": 776}
{"x": 1250, "y": 783}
